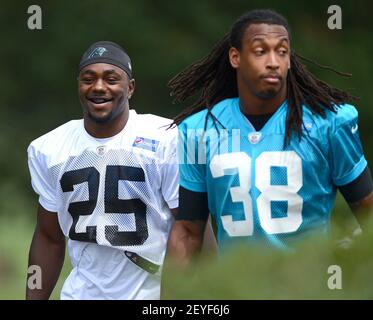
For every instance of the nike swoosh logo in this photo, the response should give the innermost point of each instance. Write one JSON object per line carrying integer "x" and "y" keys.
{"x": 354, "y": 129}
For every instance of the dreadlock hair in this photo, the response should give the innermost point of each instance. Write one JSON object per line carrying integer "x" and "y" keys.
{"x": 216, "y": 79}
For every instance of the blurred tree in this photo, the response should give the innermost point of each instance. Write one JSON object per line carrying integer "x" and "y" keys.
{"x": 39, "y": 67}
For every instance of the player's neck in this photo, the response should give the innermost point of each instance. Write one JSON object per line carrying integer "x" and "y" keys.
{"x": 253, "y": 105}
{"x": 106, "y": 130}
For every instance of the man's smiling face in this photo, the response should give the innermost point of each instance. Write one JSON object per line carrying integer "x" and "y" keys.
{"x": 104, "y": 90}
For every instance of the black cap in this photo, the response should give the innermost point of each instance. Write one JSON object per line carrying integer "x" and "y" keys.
{"x": 107, "y": 52}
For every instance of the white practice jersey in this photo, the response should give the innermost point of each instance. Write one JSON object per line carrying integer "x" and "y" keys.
{"x": 114, "y": 192}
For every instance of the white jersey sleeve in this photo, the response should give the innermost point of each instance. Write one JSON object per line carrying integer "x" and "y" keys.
{"x": 170, "y": 172}
{"x": 41, "y": 180}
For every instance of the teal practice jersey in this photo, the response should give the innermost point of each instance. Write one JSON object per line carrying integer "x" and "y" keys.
{"x": 260, "y": 189}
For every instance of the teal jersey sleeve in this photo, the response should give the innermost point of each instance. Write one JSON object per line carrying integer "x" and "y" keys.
{"x": 192, "y": 170}
{"x": 347, "y": 159}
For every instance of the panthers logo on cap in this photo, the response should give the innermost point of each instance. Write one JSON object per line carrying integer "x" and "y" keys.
{"x": 97, "y": 52}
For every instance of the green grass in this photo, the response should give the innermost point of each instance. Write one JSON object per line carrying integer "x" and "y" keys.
{"x": 262, "y": 273}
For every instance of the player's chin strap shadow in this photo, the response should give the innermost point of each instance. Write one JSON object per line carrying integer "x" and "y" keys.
{"x": 142, "y": 262}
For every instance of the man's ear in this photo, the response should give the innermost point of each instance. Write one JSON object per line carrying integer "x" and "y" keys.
{"x": 234, "y": 57}
{"x": 131, "y": 88}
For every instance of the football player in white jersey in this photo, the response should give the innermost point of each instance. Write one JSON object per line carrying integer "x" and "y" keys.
{"x": 108, "y": 182}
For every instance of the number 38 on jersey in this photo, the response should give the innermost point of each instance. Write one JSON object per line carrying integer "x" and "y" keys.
{"x": 289, "y": 165}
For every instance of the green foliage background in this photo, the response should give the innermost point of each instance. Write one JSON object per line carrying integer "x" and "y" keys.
{"x": 38, "y": 88}
{"x": 262, "y": 273}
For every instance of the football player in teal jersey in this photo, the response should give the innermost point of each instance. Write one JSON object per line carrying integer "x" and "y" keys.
{"x": 266, "y": 146}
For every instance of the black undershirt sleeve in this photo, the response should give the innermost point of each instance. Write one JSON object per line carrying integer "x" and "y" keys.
{"x": 359, "y": 188}
{"x": 192, "y": 205}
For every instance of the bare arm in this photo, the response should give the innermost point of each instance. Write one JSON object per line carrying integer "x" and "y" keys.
{"x": 209, "y": 245}
{"x": 47, "y": 251}
{"x": 185, "y": 241}
{"x": 363, "y": 209}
